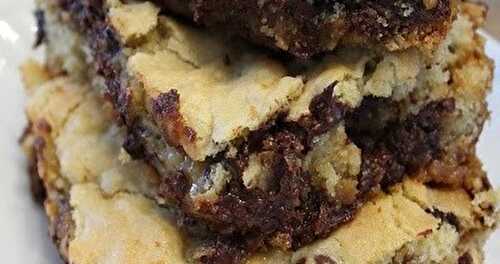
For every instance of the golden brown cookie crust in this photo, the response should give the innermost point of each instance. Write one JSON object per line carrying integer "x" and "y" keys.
{"x": 308, "y": 148}
{"x": 106, "y": 215}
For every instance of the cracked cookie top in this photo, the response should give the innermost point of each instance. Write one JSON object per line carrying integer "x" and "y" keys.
{"x": 100, "y": 201}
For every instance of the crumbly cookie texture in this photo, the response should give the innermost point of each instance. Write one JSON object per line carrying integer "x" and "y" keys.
{"x": 217, "y": 91}
{"x": 306, "y": 28}
{"x": 139, "y": 230}
{"x": 246, "y": 143}
{"x": 95, "y": 192}
{"x": 100, "y": 207}
{"x": 73, "y": 119}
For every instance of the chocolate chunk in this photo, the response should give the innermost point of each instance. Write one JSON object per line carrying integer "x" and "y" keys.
{"x": 174, "y": 187}
{"x": 465, "y": 259}
{"x": 326, "y": 112}
{"x": 399, "y": 147}
{"x": 166, "y": 113}
{"x": 37, "y": 188}
{"x": 220, "y": 251}
{"x": 447, "y": 217}
{"x": 167, "y": 104}
{"x": 301, "y": 261}
{"x": 40, "y": 35}
{"x": 133, "y": 143}
{"x": 322, "y": 259}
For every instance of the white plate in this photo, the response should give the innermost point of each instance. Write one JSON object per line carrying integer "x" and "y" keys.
{"x": 23, "y": 228}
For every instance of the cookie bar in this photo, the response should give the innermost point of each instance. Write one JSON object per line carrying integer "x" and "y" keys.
{"x": 101, "y": 204}
{"x": 262, "y": 150}
{"x": 307, "y": 28}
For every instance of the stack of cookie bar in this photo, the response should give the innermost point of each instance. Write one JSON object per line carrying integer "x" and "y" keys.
{"x": 261, "y": 131}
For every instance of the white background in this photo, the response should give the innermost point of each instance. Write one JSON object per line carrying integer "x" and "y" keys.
{"x": 23, "y": 228}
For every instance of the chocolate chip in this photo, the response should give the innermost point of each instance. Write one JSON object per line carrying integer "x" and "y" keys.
{"x": 447, "y": 217}
{"x": 322, "y": 259}
{"x": 465, "y": 259}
